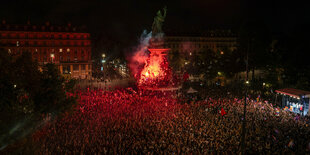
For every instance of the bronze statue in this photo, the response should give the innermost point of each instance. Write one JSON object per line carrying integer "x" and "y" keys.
{"x": 158, "y": 22}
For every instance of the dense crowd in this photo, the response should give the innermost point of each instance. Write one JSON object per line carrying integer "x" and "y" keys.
{"x": 129, "y": 121}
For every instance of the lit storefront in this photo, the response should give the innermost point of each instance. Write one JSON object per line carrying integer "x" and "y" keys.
{"x": 295, "y": 100}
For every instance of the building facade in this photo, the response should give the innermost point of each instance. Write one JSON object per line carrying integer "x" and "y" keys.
{"x": 66, "y": 46}
{"x": 190, "y": 46}
{"x": 213, "y": 40}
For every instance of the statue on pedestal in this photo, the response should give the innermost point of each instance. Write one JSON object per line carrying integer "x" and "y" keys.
{"x": 157, "y": 33}
{"x": 158, "y": 22}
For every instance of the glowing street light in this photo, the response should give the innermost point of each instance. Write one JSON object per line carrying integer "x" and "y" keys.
{"x": 52, "y": 56}
{"x": 103, "y": 56}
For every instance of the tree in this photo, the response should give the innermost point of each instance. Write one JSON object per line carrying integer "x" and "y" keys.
{"x": 209, "y": 64}
{"x": 255, "y": 40}
{"x": 28, "y": 95}
{"x": 176, "y": 60}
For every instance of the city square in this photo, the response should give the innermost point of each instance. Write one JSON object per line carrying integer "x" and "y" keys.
{"x": 201, "y": 77}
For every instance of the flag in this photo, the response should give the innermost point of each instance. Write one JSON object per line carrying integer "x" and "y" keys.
{"x": 276, "y": 130}
{"x": 291, "y": 143}
{"x": 277, "y": 112}
{"x": 274, "y": 138}
{"x": 296, "y": 118}
{"x": 223, "y": 112}
{"x": 185, "y": 76}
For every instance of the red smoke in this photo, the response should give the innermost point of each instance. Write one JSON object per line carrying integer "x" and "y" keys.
{"x": 156, "y": 71}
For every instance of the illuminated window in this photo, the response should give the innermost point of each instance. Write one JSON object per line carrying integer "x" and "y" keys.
{"x": 36, "y": 50}
{"x": 60, "y": 50}
{"x": 83, "y": 67}
{"x": 75, "y": 67}
{"x": 9, "y": 51}
{"x": 68, "y": 49}
{"x": 17, "y": 43}
{"x": 66, "y": 69}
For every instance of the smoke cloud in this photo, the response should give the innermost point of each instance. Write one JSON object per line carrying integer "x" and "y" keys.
{"x": 138, "y": 59}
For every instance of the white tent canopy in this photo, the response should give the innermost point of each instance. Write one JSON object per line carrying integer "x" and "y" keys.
{"x": 191, "y": 90}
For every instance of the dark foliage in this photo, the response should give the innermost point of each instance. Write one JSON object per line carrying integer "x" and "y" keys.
{"x": 28, "y": 95}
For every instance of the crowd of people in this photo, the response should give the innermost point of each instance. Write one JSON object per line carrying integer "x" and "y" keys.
{"x": 136, "y": 121}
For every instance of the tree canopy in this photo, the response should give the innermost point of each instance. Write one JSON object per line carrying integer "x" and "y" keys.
{"x": 28, "y": 95}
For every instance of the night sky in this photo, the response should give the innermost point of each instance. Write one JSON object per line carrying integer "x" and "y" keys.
{"x": 122, "y": 22}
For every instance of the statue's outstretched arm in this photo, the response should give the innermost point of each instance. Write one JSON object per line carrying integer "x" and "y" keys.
{"x": 165, "y": 11}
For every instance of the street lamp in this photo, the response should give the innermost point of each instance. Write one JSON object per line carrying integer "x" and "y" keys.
{"x": 103, "y": 56}
{"x": 52, "y": 56}
{"x": 244, "y": 107}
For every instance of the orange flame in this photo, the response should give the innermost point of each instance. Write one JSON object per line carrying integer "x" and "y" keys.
{"x": 154, "y": 68}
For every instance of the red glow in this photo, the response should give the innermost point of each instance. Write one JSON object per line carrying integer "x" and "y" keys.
{"x": 156, "y": 71}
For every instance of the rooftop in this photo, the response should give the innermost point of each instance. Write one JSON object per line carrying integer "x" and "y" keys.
{"x": 47, "y": 27}
{"x": 294, "y": 92}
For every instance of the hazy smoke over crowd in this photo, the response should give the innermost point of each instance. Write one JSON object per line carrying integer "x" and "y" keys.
{"x": 138, "y": 59}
